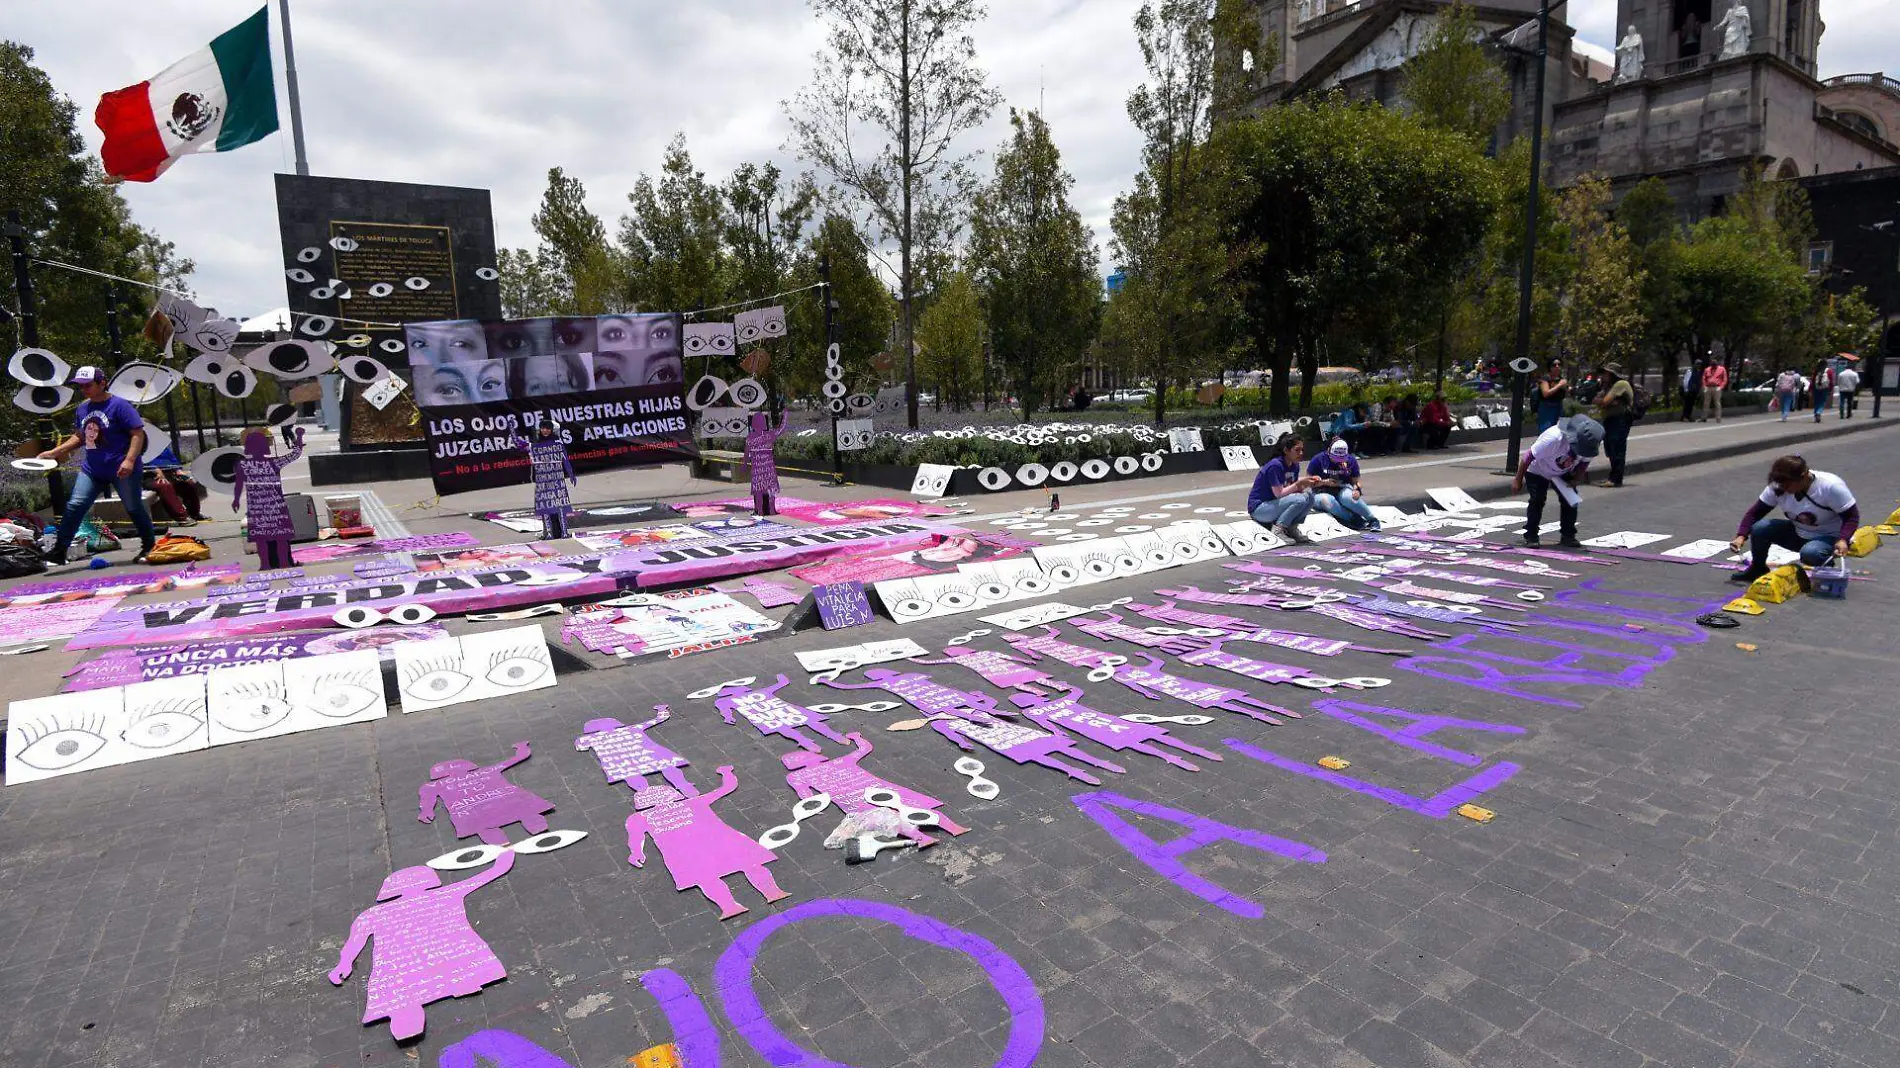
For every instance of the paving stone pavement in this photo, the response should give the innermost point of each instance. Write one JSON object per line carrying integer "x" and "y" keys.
{"x": 1693, "y": 866}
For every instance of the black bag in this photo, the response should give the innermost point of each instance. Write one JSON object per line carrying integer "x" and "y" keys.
{"x": 18, "y": 560}
{"x": 1640, "y": 401}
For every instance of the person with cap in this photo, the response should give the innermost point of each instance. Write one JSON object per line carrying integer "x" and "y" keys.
{"x": 1822, "y": 516}
{"x": 1617, "y": 404}
{"x": 1559, "y": 459}
{"x": 112, "y": 437}
{"x": 1281, "y": 496}
{"x": 1339, "y": 493}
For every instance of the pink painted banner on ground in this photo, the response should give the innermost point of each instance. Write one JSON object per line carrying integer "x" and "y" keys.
{"x": 122, "y": 667}
{"x": 675, "y": 533}
{"x": 325, "y": 552}
{"x": 54, "y": 620}
{"x": 494, "y": 589}
{"x": 485, "y": 556}
{"x": 825, "y": 513}
{"x": 942, "y": 554}
{"x": 125, "y": 582}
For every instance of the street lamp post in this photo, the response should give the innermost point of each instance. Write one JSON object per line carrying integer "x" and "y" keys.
{"x": 1527, "y": 273}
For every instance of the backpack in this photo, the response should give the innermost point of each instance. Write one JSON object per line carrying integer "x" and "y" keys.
{"x": 177, "y": 549}
{"x": 1640, "y": 400}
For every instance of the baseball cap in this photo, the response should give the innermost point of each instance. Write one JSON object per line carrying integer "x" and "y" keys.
{"x": 1339, "y": 447}
{"x": 1583, "y": 433}
{"x": 86, "y": 374}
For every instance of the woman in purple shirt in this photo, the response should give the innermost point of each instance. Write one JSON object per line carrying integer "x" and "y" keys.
{"x": 111, "y": 434}
{"x": 1280, "y": 497}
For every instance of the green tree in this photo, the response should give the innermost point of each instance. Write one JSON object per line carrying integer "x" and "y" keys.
{"x": 1453, "y": 84}
{"x": 581, "y": 273}
{"x": 1650, "y": 216}
{"x": 766, "y": 218}
{"x": 674, "y": 241}
{"x": 1035, "y": 261}
{"x": 529, "y": 286}
{"x": 70, "y": 215}
{"x": 1602, "y": 313}
{"x": 950, "y": 341}
{"x": 896, "y": 87}
{"x": 1741, "y": 281}
{"x": 864, "y": 311}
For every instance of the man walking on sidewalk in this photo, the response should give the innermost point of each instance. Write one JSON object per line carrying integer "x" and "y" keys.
{"x": 1714, "y": 381}
{"x": 1691, "y": 390}
{"x": 1845, "y": 384}
{"x": 1559, "y": 459}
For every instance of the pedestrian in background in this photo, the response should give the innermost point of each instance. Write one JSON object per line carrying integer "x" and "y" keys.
{"x": 1616, "y": 406}
{"x": 1714, "y": 381}
{"x": 1847, "y": 383}
{"x": 1436, "y": 419}
{"x": 1691, "y": 390}
{"x": 1823, "y": 388}
{"x": 1786, "y": 384}
{"x": 1552, "y": 389}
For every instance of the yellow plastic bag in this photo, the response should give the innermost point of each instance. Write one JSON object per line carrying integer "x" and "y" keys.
{"x": 1744, "y": 607}
{"x": 1864, "y": 541}
{"x": 1775, "y": 587}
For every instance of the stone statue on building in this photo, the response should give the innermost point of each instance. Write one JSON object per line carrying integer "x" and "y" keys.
{"x": 1736, "y": 31}
{"x": 1629, "y": 56}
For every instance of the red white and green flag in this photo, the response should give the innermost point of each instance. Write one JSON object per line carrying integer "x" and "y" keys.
{"x": 218, "y": 98}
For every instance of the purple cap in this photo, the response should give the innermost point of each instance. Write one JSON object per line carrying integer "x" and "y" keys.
{"x": 86, "y": 374}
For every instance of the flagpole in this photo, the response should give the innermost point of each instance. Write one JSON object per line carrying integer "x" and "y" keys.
{"x": 290, "y": 80}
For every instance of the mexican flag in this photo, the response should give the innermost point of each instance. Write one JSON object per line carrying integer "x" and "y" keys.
{"x": 214, "y": 100}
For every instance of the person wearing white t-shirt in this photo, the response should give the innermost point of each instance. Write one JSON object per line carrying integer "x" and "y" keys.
{"x": 1821, "y": 517}
{"x": 1559, "y": 459}
{"x": 1845, "y": 384}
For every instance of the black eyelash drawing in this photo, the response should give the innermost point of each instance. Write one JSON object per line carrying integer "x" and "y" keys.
{"x": 246, "y": 701}
{"x": 518, "y": 667}
{"x": 169, "y": 722}
{"x": 53, "y": 744}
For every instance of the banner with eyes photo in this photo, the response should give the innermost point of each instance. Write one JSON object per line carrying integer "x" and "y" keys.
{"x": 612, "y": 383}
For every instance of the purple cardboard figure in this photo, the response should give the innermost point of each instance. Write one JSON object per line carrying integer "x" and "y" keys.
{"x": 998, "y": 669}
{"x": 627, "y": 755}
{"x": 481, "y": 801}
{"x": 925, "y": 694}
{"x": 845, "y": 781}
{"x": 1110, "y": 732}
{"x": 1151, "y": 682}
{"x": 773, "y": 715}
{"x": 553, "y": 474}
{"x": 759, "y": 456}
{"x": 1050, "y": 644}
{"x": 268, "y": 517}
{"x": 698, "y": 847}
{"x": 426, "y": 950}
{"x": 1022, "y": 744}
{"x": 1112, "y": 627}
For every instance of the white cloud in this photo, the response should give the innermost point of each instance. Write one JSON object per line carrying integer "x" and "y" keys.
{"x": 491, "y": 94}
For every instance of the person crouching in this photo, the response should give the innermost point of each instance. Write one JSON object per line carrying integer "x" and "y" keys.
{"x": 1559, "y": 459}
{"x": 1339, "y": 492}
{"x": 1281, "y": 496}
{"x": 1822, "y": 516}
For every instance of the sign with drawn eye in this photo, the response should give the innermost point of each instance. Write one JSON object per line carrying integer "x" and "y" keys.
{"x": 38, "y": 367}
{"x": 1185, "y": 439}
{"x": 723, "y": 423}
{"x": 291, "y": 359}
{"x": 759, "y": 324}
{"x": 747, "y": 393}
{"x": 142, "y": 383}
{"x": 931, "y": 480}
{"x": 217, "y": 468}
{"x": 855, "y": 435}
{"x": 860, "y": 405}
{"x": 474, "y": 667}
{"x": 362, "y": 369}
{"x": 708, "y": 391}
{"x": 43, "y": 400}
{"x": 207, "y": 368}
{"x": 709, "y": 339}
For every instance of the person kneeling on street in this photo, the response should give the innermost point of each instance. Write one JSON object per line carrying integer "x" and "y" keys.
{"x": 1821, "y": 518}
{"x": 1281, "y": 497}
{"x": 1339, "y": 493}
{"x": 1559, "y": 459}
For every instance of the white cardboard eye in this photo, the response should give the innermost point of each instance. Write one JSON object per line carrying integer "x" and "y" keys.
{"x": 362, "y": 370}
{"x": 474, "y": 856}
{"x": 309, "y": 255}
{"x": 381, "y": 289}
{"x": 968, "y": 766}
{"x": 356, "y": 617}
{"x": 217, "y": 468}
{"x": 391, "y": 346}
{"x": 142, "y": 383}
{"x": 411, "y": 614}
{"x": 487, "y": 274}
{"x": 549, "y": 841}
{"x": 236, "y": 383}
{"x": 416, "y": 283}
{"x": 38, "y": 367}
{"x": 43, "y": 400}
{"x": 343, "y": 244}
{"x": 316, "y": 325}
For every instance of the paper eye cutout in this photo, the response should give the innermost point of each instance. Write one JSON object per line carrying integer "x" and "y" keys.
{"x": 910, "y": 608}
{"x": 381, "y": 289}
{"x": 1126, "y": 465}
{"x": 142, "y": 383}
{"x": 411, "y": 614}
{"x": 1096, "y": 469}
{"x": 38, "y": 367}
{"x": 1032, "y": 474}
{"x": 322, "y": 293}
{"x": 218, "y": 467}
{"x": 487, "y": 274}
{"x": 392, "y": 346}
{"x": 1064, "y": 574}
{"x": 164, "y": 726}
{"x": 474, "y": 856}
{"x": 549, "y": 841}
{"x": 309, "y": 255}
{"x": 515, "y": 670}
{"x": 860, "y": 403}
{"x": 438, "y": 685}
{"x": 1151, "y": 462}
{"x": 1062, "y": 471}
{"x": 279, "y": 414}
{"x": 706, "y": 392}
{"x": 992, "y": 478}
{"x": 416, "y": 282}
{"x": 316, "y": 325}
{"x": 213, "y": 335}
{"x": 43, "y": 400}
{"x": 237, "y": 384}
{"x": 207, "y": 368}
{"x": 61, "y": 748}
{"x": 356, "y": 617}
{"x": 343, "y": 244}
{"x": 362, "y": 370}
{"x": 355, "y": 341}
{"x": 248, "y": 713}
{"x": 835, "y": 390}
{"x": 748, "y": 393}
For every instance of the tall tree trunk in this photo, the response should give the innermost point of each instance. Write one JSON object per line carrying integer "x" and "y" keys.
{"x": 904, "y": 167}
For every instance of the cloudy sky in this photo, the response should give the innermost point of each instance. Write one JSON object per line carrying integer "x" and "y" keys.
{"x": 491, "y": 94}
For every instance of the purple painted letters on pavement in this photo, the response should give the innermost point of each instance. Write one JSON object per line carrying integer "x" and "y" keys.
{"x": 693, "y": 1033}
{"x": 1414, "y": 736}
{"x": 503, "y": 1049}
{"x": 1202, "y": 832}
{"x": 480, "y": 801}
{"x": 733, "y": 974}
{"x": 1438, "y": 806}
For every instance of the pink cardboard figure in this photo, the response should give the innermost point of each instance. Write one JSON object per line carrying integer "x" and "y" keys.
{"x": 997, "y": 669}
{"x": 1151, "y": 682}
{"x": 772, "y": 715}
{"x": 1050, "y": 644}
{"x": 1022, "y": 744}
{"x": 760, "y": 444}
{"x": 1112, "y": 627}
{"x": 697, "y": 846}
{"x": 845, "y": 781}
{"x": 1110, "y": 732}
{"x": 268, "y": 517}
{"x": 480, "y": 801}
{"x": 925, "y": 694}
{"x": 627, "y": 755}
{"x": 426, "y": 950}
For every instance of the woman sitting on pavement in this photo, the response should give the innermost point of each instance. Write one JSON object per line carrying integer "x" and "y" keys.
{"x": 1339, "y": 493}
{"x": 1436, "y": 419}
{"x": 1281, "y": 497}
{"x": 1821, "y": 517}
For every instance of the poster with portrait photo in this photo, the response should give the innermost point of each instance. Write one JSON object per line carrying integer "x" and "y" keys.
{"x": 611, "y": 382}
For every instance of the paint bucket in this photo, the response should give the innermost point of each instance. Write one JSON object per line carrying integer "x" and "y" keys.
{"x": 345, "y": 509}
{"x": 1830, "y": 579}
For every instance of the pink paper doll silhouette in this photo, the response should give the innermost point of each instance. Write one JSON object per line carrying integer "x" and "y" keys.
{"x": 760, "y": 442}
{"x": 627, "y": 755}
{"x": 1050, "y": 644}
{"x": 771, "y": 715}
{"x": 1112, "y": 627}
{"x": 426, "y": 949}
{"x": 1023, "y": 744}
{"x": 553, "y": 473}
{"x": 268, "y": 517}
{"x": 480, "y": 801}
{"x": 1258, "y": 670}
{"x": 845, "y": 780}
{"x": 1151, "y": 682}
{"x": 1111, "y": 732}
{"x": 698, "y": 847}
{"x": 925, "y": 694}
{"x": 997, "y": 669}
